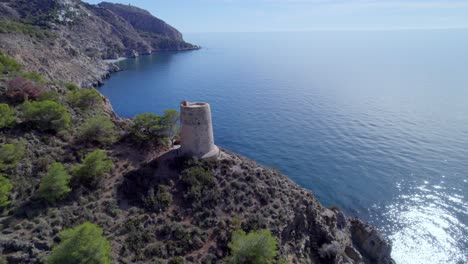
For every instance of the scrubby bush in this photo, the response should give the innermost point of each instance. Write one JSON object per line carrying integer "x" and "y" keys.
{"x": 54, "y": 185}
{"x": 177, "y": 260}
{"x": 82, "y": 244}
{"x": 21, "y": 89}
{"x": 84, "y": 98}
{"x": 34, "y": 76}
{"x": 71, "y": 86}
{"x": 159, "y": 200}
{"x": 138, "y": 237}
{"x": 99, "y": 129}
{"x": 200, "y": 189}
{"x": 49, "y": 96}
{"x": 8, "y": 64}
{"x": 257, "y": 247}
{"x": 46, "y": 115}
{"x": 5, "y": 189}
{"x": 11, "y": 154}
{"x": 7, "y": 116}
{"x": 151, "y": 128}
{"x": 94, "y": 166}
{"x": 34, "y": 32}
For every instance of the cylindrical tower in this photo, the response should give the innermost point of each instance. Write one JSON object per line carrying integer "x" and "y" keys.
{"x": 196, "y": 133}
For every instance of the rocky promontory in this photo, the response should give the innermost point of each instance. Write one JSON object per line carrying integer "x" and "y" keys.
{"x": 69, "y": 39}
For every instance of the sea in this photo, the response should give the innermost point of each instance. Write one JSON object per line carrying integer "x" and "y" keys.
{"x": 373, "y": 122}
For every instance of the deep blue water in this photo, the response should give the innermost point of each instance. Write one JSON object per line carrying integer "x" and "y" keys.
{"x": 373, "y": 122}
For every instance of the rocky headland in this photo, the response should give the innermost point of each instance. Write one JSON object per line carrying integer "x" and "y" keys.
{"x": 69, "y": 39}
{"x": 153, "y": 207}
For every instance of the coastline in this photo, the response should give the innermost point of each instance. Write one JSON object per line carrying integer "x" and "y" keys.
{"x": 195, "y": 47}
{"x": 115, "y": 60}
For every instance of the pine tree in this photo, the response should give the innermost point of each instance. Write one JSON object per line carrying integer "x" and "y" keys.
{"x": 83, "y": 244}
{"x": 54, "y": 185}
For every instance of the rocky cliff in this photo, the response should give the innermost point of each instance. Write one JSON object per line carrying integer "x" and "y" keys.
{"x": 69, "y": 39}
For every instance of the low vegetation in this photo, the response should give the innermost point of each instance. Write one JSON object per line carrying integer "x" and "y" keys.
{"x": 200, "y": 189}
{"x": 83, "y": 244}
{"x": 7, "y": 116}
{"x": 21, "y": 89}
{"x": 256, "y": 247}
{"x": 71, "y": 86}
{"x": 35, "y": 77}
{"x": 11, "y": 154}
{"x": 155, "y": 129}
{"x": 99, "y": 129}
{"x": 55, "y": 184}
{"x": 8, "y": 65}
{"x": 49, "y": 96}
{"x": 46, "y": 115}
{"x": 26, "y": 29}
{"x": 5, "y": 189}
{"x": 84, "y": 98}
{"x": 93, "y": 168}
{"x": 157, "y": 200}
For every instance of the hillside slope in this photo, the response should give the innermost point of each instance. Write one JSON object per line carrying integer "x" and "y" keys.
{"x": 80, "y": 36}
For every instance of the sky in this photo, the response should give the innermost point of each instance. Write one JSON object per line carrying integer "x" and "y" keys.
{"x": 304, "y": 15}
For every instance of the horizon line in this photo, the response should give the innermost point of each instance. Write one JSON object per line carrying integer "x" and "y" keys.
{"x": 336, "y": 30}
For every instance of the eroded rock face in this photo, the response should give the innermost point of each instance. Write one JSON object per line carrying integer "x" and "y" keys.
{"x": 371, "y": 243}
{"x": 142, "y": 20}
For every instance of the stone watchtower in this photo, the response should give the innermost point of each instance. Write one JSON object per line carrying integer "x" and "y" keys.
{"x": 196, "y": 132}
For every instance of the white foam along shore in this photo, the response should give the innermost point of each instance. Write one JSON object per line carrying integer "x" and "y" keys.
{"x": 115, "y": 60}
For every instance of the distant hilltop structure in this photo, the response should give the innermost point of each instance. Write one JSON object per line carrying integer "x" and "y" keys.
{"x": 196, "y": 133}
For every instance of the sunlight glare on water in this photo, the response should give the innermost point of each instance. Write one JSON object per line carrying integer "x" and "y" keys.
{"x": 423, "y": 229}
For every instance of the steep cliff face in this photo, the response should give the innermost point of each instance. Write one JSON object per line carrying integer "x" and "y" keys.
{"x": 142, "y": 20}
{"x": 80, "y": 36}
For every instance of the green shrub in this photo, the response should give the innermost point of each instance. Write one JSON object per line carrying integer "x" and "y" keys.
{"x": 98, "y": 129}
{"x": 282, "y": 261}
{"x": 54, "y": 185}
{"x": 82, "y": 244}
{"x": 151, "y": 128}
{"x": 49, "y": 96}
{"x": 200, "y": 189}
{"x": 170, "y": 123}
{"x": 257, "y": 247}
{"x": 177, "y": 260}
{"x": 158, "y": 201}
{"x": 11, "y": 154}
{"x": 34, "y": 32}
{"x": 46, "y": 115}
{"x": 34, "y": 76}
{"x": 94, "y": 166}
{"x": 8, "y": 64}
{"x": 84, "y": 98}
{"x": 71, "y": 86}
{"x": 5, "y": 188}
{"x": 7, "y": 116}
